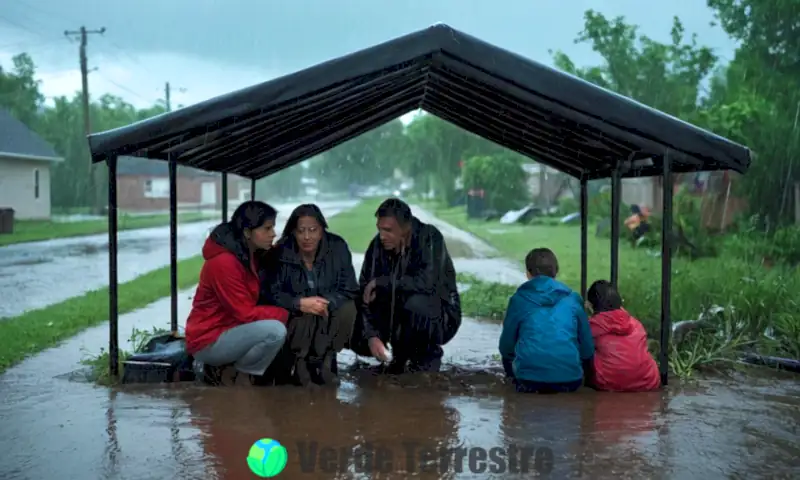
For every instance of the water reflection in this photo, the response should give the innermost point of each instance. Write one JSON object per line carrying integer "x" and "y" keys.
{"x": 376, "y": 434}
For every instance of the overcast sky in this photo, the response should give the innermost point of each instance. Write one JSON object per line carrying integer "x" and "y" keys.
{"x": 208, "y": 47}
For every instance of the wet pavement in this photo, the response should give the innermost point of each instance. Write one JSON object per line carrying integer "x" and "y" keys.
{"x": 34, "y": 275}
{"x": 421, "y": 426}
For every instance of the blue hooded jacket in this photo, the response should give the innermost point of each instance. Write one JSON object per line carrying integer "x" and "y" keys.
{"x": 546, "y": 333}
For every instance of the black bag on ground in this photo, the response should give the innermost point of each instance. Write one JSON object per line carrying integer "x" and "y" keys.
{"x": 163, "y": 360}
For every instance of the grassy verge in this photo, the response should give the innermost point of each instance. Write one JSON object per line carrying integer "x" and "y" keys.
{"x": 38, "y": 230}
{"x": 357, "y": 225}
{"x": 754, "y": 298}
{"x": 37, "y": 330}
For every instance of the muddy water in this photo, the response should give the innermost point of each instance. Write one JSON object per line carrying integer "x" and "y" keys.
{"x": 722, "y": 428}
{"x": 34, "y": 275}
{"x": 422, "y": 426}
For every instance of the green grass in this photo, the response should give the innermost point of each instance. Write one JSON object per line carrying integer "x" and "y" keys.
{"x": 755, "y": 297}
{"x": 357, "y": 225}
{"x": 37, "y": 330}
{"x": 38, "y": 230}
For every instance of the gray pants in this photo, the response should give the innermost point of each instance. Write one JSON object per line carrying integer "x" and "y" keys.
{"x": 251, "y": 347}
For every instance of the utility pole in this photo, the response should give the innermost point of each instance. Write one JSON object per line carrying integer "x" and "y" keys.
{"x": 168, "y": 95}
{"x": 87, "y": 123}
{"x": 84, "y": 34}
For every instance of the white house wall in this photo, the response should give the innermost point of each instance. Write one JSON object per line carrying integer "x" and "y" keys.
{"x": 17, "y": 188}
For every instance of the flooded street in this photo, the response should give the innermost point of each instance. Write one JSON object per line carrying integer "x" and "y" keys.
{"x": 426, "y": 426}
{"x": 34, "y": 275}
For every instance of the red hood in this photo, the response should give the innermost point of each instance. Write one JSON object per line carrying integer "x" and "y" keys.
{"x": 616, "y": 322}
{"x": 211, "y": 249}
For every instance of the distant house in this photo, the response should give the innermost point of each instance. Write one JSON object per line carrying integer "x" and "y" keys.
{"x": 143, "y": 186}
{"x": 25, "y": 161}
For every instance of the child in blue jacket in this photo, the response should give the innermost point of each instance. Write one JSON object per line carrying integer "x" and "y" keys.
{"x": 546, "y": 338}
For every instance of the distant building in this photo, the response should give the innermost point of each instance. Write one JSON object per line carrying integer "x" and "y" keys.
{"x": 143, "y": 186}
{"x": 25, "y": 161}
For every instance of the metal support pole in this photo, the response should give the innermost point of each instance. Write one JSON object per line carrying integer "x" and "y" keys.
{"x": 113, "y": 280}
{"x": 666, "y": 267}
{"x": 252, "y": 189}
{"x": 224, "y": 197}
{"x": 616, "y": 187}
{"x": 173, "y": 243}
{"x": 584, "y": 234}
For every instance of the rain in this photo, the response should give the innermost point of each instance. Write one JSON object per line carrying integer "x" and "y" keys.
{"x": 731, "y": 406}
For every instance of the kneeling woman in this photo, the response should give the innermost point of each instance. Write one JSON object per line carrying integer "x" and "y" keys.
{"x": 227, "y": 328}
{"x": 310, "y": 273}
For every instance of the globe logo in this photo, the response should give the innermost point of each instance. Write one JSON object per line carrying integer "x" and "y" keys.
{"x": 267, "y": 458}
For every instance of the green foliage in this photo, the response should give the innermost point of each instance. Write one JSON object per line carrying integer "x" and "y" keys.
{"x": 74, "y": 182}
{"x": 756, "y": 298}
{"x": 754, "y": 100}
{"x": 369, "y": 159}
{"x": 503, "y": 179}
{"x": 484, "y": 299}
{"x": 282, "y": 185}
{"x": 99, "y": 363}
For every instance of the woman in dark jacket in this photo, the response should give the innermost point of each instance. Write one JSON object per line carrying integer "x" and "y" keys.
{"x": 310, "y": 273}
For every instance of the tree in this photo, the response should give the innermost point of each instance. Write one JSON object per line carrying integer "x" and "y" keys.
{"x": 768, "y": 29}
{"x": 664, "y": 76}
{"x": 502, "y": 177}
{"x": 19, "y": 90}
{"x": 754, "y": 100}
{"x": 62, "y": 126}
{"x": 282, "y": 185}
{"x": 369, "y": 159}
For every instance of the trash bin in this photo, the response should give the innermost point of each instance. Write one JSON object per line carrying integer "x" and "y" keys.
{"x": 6, "y": 221}
{"x": 476, "y": 203}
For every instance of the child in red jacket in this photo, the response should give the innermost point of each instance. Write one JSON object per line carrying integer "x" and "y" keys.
{"x": 621, "y": 360}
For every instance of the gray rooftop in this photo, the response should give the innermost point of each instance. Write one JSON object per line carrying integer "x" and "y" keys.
{"x": 17, "y": 139}
{"x": 154, "y": 168}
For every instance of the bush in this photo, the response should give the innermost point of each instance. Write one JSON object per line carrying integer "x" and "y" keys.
{"x": 779, "y": 246}
{"x": 759, "y": 298}
{"x": 569, "y": 205}
{"x": 503, "y": 179}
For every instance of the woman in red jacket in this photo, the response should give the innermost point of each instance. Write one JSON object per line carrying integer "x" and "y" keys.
{"x": 621, "y": 360}
{"x": 227, "y": 328}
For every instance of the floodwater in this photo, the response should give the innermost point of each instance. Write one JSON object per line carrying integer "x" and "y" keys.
{"x": 34, "y": 275}
{"x": 413, "y": 425}
{"x": 461, "y": 423}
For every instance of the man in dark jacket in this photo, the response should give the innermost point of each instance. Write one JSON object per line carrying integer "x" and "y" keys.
{"x": 409, "y": 297}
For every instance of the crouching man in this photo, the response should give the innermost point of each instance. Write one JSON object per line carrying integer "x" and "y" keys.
{"x": 409, "y": 298}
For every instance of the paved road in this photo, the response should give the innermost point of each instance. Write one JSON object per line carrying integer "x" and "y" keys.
{"x": 34, "y": 275}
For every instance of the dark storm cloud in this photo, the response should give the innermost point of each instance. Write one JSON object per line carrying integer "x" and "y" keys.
{"x": 283, "y": 35}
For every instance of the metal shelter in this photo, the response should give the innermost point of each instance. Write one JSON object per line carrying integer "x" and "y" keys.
{"x": 553, "y": 117}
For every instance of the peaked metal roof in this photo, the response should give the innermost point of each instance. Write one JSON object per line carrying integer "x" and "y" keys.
{"x": 553, "y": 117}
{"x": 17, "y": 139}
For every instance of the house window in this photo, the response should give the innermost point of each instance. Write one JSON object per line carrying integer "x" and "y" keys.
{"x": 156, "y": 188}
{"x": 36, "y": 183}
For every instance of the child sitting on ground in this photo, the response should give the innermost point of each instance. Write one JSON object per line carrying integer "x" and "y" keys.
{"x": 621, "y": 361}
{"x": 546, "y": 336}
